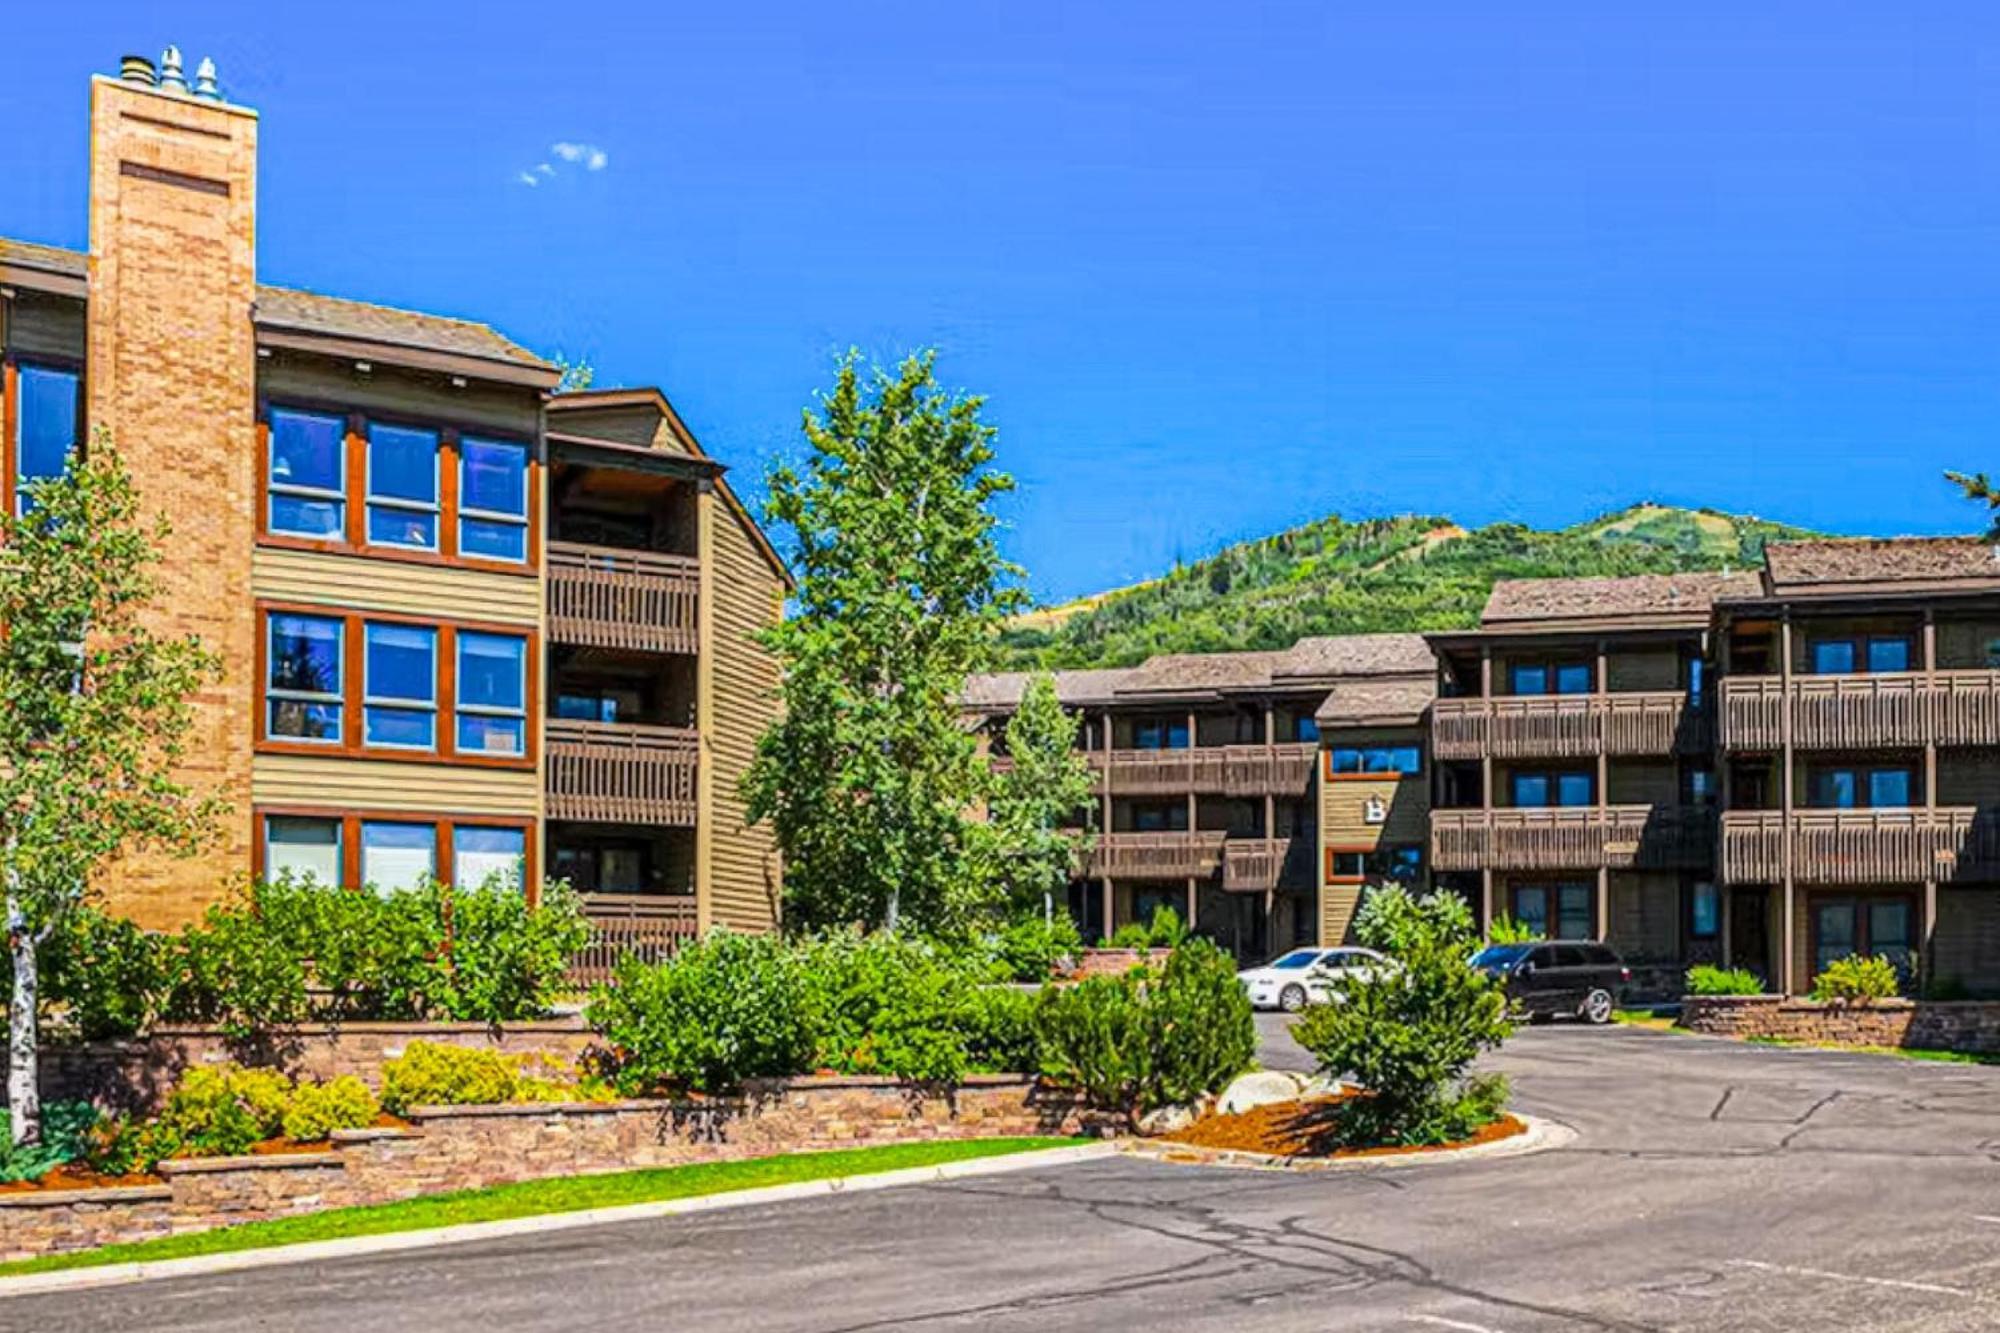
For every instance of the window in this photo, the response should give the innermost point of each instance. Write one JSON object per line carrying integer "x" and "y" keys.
{"x": 302, "y": 848}
{"x": 492, "y": 694}
{"x": 482, "y": 854}
{"x": 1537, "y": 790}
{"x": 399, "y": 693}
{"x": 1698, "y": 786}
{"x": 581, "y": 704}
{"x": 1154, "y": 734}
{"x": 402, "y": 486}
{"x": 1888, "y": 654}
{"x": 1549, "y": 678}
{"x": 1883, "y": 927}
{"x": 308, "y": 488}
{"x": 46, "y": 431}
{"x": 1308, "y": 729}
{"x": 1297, "y": 960}
{"x": 1872, "y": 652}
{"x": 1704, "y": 912}
{"x": 397, "y": 856}
{"x": 1833, "y": 657}
{"x": 1160, "y": 817}
{"x": 1844, "y": 788}
{"x": 302, "y": 688}
{"x": 1401, "y": 760}
{"x": 604, "y": 869}
{"x": 1394, "y": 864}
{"x": 493, "y": 499}
{"x": 1557, "y": 911}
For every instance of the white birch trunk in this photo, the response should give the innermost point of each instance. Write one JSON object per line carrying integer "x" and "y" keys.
{"x": 24, "y": 1093}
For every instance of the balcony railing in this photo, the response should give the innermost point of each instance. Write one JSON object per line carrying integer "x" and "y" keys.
{"x": 648, "y": 925}
{"x": 1903, "y": 845}
{"x": 1569, "y": 726}
{"x": 603, "y": 597}
{"x": 1256, "y": 865}
{"x": 1228, "y": 770}
{"x": 621, "y": 773}
{"x": 1168, "y": 855}
{"x": 1880, "y": 710}
{"x": 1617, "y": 837}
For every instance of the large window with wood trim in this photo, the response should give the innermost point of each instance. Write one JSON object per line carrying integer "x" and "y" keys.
{"x": 357, "y": 682}
{"x": 406, "y": 489}
{"x": 1845, "y": 655}
{"x": 1549, "y": 677}
{"x": 1391, "y": 863}
{"x": 43, "y": 412}
{"x": 1374, "y": 761}
{"x": 1861, "y": 786}
{"x": 1563, "y": 911}
{"x": 391, "y": 850}
{"x": 1538, "y": 789}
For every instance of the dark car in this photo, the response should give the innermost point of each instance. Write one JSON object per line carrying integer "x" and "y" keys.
{"x": 1580, "y": 978}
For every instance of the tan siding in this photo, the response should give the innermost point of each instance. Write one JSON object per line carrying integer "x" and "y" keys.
{"x": 1643, "y": 669}
{"x": 374, "y": 784}
{"x": 745, "y": 594}
{"x": 510, "y": 410}
{"x": 1337, "y": 905}
{"x": 1343, "y": 805}
{"x": 396, "y": 586}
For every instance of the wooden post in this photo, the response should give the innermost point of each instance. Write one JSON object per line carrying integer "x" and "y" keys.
{"x": 1104, "y": 885}
{"x": 1486, "y": 749}
{"x": 1485, "y": 898}
{"x": 1928, "y": 926}
{"x": 1787, "y": 966}
{"x": 1191, "y": 903}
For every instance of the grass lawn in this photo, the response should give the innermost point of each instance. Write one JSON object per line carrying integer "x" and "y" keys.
{"x": 562, "y": 1194}
{"x": 1642, "y": 1018}
{"x": 1900, "y": 1052}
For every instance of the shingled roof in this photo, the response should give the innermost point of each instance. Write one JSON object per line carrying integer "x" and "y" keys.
{"x": 1383, "y": 701}
{"x": 1524, "y": 603}
{"x": 287, "y": 308}
{"x": 1002, "y": 690}
{"x": 1835, "y": 565}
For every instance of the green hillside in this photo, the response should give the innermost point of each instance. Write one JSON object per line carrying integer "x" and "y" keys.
{"x": 1339, "y": 577}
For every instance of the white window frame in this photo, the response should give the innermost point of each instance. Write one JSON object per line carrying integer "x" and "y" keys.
{"x": 339, "y": 844}
{"x": 496, "y": 516}
{"x": 434, "y": 507}
{"x": 361, "y": 835}
{"x": 370, "y": 699}
{"x": 281, "y": 694}
{"x": 489, "y": 710}
{"x": 274, "y": 488}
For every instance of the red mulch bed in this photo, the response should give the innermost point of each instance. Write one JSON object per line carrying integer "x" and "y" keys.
{"x": 75, "y": 1177}
{"x": 1307, "y": 1128}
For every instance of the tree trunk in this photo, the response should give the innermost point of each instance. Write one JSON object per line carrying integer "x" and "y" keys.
{"x": 24, "y": 1094}
{"x": 893, "y": 911}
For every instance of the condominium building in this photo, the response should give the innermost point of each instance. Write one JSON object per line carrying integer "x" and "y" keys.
{"x": 468, "y": 624}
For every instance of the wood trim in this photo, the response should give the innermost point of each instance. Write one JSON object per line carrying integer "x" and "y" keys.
{"x": 352, "y": 744}
{"x": 351, "y": 820}
{"x": 354, "y": 537}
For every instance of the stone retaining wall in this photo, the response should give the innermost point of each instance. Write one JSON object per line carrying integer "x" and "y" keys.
{"x": 1112, "y": 962}
{"x": 469, "y": 1147}
{"x": 134, "y": 1075}
{"x": 1969, "y": 1026}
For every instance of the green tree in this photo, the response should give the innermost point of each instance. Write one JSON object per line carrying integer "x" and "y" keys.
{"x": 1046, "y": 785}
{"x": 1977, "y": 486}
{"x": 93, "y": 720}
{"x": 869, "y": 776}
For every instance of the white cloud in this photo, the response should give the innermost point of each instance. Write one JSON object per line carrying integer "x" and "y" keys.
{"x": 589, "y": 155}
{"x": 528, "y": 178}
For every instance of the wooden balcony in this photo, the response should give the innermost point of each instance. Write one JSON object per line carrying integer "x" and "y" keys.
{"x": 1225, "y": 770}
{"x": 1171, "y": 855}
{"x": 1619, "y": 837}
{"x": 620, "y": 773}
{"x": 1880, "y": 710}
{"x": 1258, "y": 865}
{"x": 1885, "y": 846}
{"x": 1555, "y": 726}
{"x": 603, "y": 597}
{"x": 651, "y": 926}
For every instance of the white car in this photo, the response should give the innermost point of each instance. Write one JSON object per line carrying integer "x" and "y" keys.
{"x": 1304, "y": 976}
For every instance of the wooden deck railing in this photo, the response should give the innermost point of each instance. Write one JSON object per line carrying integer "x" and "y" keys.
{"x": 620, "y": 773}
{"x": 1874, "y": 711}
{"x": 1903, "y": 845}
{"x": 1255, "y": 865}
{"x": 1168, "y": 855}
{"x": 648, "y": 925}
{"x": 1229, "y": 770}
{"x": 1568, "y": 726}
{"x": 1581, "y": 838}
{"x": 604, "y": 597}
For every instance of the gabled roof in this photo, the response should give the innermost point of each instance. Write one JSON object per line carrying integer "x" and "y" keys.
{"x": 1834, "y": 566}
{"x": 1383, "y": 701}
{"x": 1635, "y": 600}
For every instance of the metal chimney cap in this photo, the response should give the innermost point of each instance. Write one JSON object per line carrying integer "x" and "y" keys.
{"x": 137, "y": 69}
{"x": 171, "y": 77}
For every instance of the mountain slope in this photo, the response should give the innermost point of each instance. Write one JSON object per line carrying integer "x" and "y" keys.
{"x": 1333, "y": 576}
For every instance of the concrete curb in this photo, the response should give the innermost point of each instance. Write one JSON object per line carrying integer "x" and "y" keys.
{"x": 1541, "y": 1135}
{"x": 107, "y": 1275}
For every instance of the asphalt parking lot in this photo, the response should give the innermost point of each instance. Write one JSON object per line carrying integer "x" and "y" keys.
{"x": 1711, "y": 1186}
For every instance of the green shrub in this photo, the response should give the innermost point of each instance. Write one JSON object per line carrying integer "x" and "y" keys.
{"x": 221, "y": 1112}
{"x": 1409, "y": 1033}
{"x": 1505, "y": 929}
{"x": 107, "y": 976}
{"x": 1132, "y": 935}
{"x": 126, "y": 1146}
{"x": 997, "y": 1024}
{"x": 1166, "y": 930}
{"x": 1857, "y": 979}
{"x": 882, "y": 1004}
{"x": 1152, "y": 1037}
{"x": 315, "y": 1110}
{"x": 1094, "y": 1037}
{"x": 67, "y": 1133}
{"x": 1391, "y": 919}
{"x": 241, "y": 970}
{"x": 1030, "y": 948}
{"x": 723, "y": 1009}
{"x": 1705, "y": 980}
{"x": 430, "y": 1073}
{"x": 508, "y": 961}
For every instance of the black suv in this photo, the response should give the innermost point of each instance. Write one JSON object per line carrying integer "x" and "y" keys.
{"x": 1580, "y": 978}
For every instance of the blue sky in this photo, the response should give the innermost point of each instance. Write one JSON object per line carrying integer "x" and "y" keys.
{"x": 1218, "y": 268}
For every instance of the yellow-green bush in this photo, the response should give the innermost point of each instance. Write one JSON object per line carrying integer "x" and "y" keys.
{"x": 1857, "y": 978}
{"x": 433, "y": 1074}
{"x": 317, "y": 1109}
{"x": 221, "y": 1111}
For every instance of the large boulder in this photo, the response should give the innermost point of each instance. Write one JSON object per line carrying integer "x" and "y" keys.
{"x": 1261, "y": 1088}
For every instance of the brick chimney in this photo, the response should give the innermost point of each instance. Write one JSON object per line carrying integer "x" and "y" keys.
{"x": 172, "y": 376}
